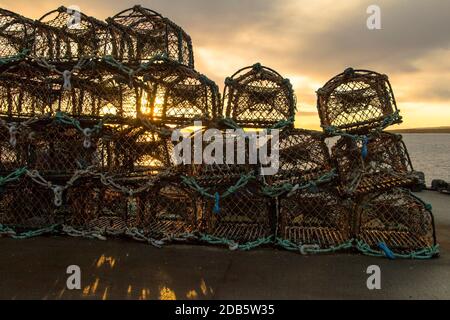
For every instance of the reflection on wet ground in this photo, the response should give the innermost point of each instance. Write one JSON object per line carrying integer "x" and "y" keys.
{"x": 122, "y": 269}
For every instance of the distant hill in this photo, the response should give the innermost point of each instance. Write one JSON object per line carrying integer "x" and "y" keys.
{"x": 423, "y": 130}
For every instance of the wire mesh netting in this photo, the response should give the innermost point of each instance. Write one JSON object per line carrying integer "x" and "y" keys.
{"x": 356, "y": 101}
{"x": 25, "y": 205}
{"x": 379, "y": 163}
{"x": 66, "y": 35}
{"x": 16, "y": 34}
{"x": 139, "y": 34}
{"x": 176, "y": 94}
{"x": 303, "y": 157}
{"x": 397, "y": 219}
{"x": 92, "y": 89}
{"x": 321, "y": 219}
{"x": 258, "y": 97}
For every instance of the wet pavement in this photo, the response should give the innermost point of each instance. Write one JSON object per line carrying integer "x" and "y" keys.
{"x": 123, "y": 269}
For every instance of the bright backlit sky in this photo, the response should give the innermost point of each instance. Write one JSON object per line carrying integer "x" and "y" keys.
{"x": 309, "y": 42}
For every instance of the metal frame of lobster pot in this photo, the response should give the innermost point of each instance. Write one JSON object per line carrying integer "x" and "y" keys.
{"x": 357, "y": 101}
{"x": 91, "y": 90}
{"x": 144, "y": 204}
{"x": 27, "y": 206}
{"x": 315, "y": 218}
{"x": 303, "y": 158}
{"x": 134, "y": 150}
{"x": 66, "y": 35}
{"x": 258, "y": 97}
{"x": 16, "y": 34}
{"x": 176, "y": 95}
{"x": 233, "y": 207}
{"x": 396, "y": 219}
{"x": 375, "y": 163}
{"x": 140, "y": 34}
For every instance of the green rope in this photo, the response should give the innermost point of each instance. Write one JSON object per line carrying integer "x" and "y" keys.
{"x": 276, "y": 191}
{"x": 64, "y": 118}
{"x": 17, "y": 57}
{"x": 422, "y": 254}
{"x": 29, "y": 234}
{"x": 234, "y": 245}
{"x": 12, "y": 176}
{"x": 312, "y": 248}
{"x": 387, "y": 121}
{"x": 242, "y": 182}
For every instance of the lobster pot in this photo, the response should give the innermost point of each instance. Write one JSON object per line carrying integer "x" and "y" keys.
{"x": 398, "y": 219}
{"x": 65, "y": 35}
{"x": 13, "y": 147}
{"x": 258, "y": 97}
{"x": 357, "y": 101}
{"x": 54, "y": 148}
{"x": 385, "y": 165}
{"x": 303, "y": 157}
{"x": 140, "y": 34}
{"x": 33, "y": 89}
{"x": 245, "y": 216}
{"x": 95, "y": 90}
{"x": 16, "y": 33}
{"x": 176, "y": 95}
{"x": 104, "y": 205}
{"x": 26, "y": 205}
{"x": 24, "y": 91}
{"x": 134, "y": 149}
{"x": 318, "y": 218}
{"x": 168, "y": 211}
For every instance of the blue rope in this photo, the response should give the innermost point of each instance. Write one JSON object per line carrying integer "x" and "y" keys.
{"x": 364, "y": 150}
{"x": 216, "y": 208}
{"x": 387, "y": 252}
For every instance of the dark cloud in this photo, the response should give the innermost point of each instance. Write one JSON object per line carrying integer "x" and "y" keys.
{"x": 311, "y": 39}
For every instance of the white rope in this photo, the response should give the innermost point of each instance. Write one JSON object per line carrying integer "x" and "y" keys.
{"x": 67, "y": 75}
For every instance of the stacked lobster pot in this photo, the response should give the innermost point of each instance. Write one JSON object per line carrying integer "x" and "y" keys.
{"x": 373, "y": 166}
{"x": 86, "y": 117}
{"x": 235, "y": 211}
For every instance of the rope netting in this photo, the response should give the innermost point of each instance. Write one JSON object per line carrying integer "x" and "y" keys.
{"x": 378, "y": 162}
{"x": 88, "y": 110}
{"x": 65, "y": 35}
{"x": 395, "y": 224}
{"x": 258, "y": 97}
{"x": 355, "y": 101}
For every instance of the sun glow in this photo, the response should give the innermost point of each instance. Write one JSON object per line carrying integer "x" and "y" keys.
{"x": 158, "y": 104}
{"x": 108, "y": 109}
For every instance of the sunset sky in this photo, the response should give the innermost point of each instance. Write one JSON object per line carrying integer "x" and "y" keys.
{"x": 309, "y": 42}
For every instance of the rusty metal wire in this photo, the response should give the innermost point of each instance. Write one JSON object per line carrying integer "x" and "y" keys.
{"x": 379, "y": 163}
{"x": 258, "y": 97}
{"x": 356, "y": 101}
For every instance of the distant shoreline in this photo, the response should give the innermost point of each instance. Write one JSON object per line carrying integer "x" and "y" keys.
{"x": 422, "y": 130}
